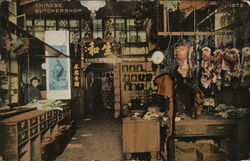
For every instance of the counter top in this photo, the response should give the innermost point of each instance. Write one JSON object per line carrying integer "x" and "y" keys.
{"x": 205, "y": 120}
{"x": 22, "y": 116}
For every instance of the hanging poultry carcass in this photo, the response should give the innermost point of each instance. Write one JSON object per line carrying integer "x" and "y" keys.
{"x": 231, "y": 62}
{"x": 182, "y": 54}
{"x": 217, "y": 59}
{"x": 245, "y": 64}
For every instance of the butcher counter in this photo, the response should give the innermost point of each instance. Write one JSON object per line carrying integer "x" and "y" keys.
{"x": 205, "y": 126}
{"x": 231, "y": 135}
{"x": 21, "y": 135}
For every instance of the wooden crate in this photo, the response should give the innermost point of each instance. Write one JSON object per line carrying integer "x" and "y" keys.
{"x": 140, "y": 136}
{"x": 214, "y": 157}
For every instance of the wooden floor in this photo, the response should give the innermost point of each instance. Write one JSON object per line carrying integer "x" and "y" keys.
{"x": 98, "y": 139}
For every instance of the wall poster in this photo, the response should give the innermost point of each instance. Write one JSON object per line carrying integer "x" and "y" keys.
{"x": 58, "y": 69}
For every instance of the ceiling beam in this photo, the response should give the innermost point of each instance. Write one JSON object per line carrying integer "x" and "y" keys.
{"x": 13, "y": 27}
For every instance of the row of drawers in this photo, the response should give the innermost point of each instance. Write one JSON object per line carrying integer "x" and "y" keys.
{"x": 33, "y": 131}
{"x": 28, "y": 129}
{"x": 25, "y": 124}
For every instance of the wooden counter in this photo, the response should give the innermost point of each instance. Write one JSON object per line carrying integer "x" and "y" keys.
{"x": 206, "y": 125}
{"x": 141, "y": 136}
{"x": 21, "y": 135}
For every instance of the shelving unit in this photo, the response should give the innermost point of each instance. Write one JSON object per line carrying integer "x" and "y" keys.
{"x": 136, "y": 79}
{"x": 108, "y": 90}
{"x": 9, "y": 82}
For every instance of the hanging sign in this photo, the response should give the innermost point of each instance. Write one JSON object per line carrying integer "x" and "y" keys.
{"x": 94, "y": 49}
{"x": 98, "y": 51}
{"x": 53, "y": 7}
{"x": 56, "y": 7}
{"x": 76, "y": 75}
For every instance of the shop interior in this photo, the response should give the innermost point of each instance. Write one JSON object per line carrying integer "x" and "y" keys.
{"x": 114, "y": 80}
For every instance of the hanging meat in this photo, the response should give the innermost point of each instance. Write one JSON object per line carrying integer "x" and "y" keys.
{"x": 231, "y": 62}
{"x": 245, "y": 64}
{"x": 182, "y": 54}
{"x": 217, "y": 58}
{"x": 206, "y": 62}
{"x": 206, "y": 79}
{"x": 151, "y": 34}
{"x": 207, "y": 66}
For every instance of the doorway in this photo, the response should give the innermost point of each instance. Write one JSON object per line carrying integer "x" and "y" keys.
{"x": 99, "y": 90}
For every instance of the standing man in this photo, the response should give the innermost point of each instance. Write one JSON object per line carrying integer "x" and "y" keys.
{"x": 33, "y": 92}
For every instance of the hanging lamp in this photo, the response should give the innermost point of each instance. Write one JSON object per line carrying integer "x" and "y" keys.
{"x": 93, "y": 6}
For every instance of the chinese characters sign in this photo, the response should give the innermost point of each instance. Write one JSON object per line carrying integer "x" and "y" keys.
{"x": 98, "y": 50}
{"x": 76, "y": 75}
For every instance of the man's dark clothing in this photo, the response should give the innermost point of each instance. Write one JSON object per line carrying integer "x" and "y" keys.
{"x": 32, "y": 93}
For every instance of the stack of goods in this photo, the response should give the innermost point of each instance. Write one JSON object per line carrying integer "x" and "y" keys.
{"x": 230, "y": 111}
{"x": 153, "y": 113}
{"x": 45, "y": 104}
{"x": 201, "y": 150}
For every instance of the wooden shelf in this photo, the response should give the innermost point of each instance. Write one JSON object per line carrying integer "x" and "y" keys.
{"x": 126, "y": 94}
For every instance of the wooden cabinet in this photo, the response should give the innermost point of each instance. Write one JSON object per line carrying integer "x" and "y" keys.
{"x": 21, "y": 135}
{"x": 141, "y": 136}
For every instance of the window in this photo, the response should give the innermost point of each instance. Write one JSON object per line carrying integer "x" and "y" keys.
{"x": 39, "y": 28}
{"x": 74, "y": 30}
{"x": 120, "y": 30}
{"x": 97, "y": 28}
{"x": 63, "y": 24}
{"x": 51, "y": 25}
{"x": 123, "y": 30}
{"x": 86, "y": 29}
